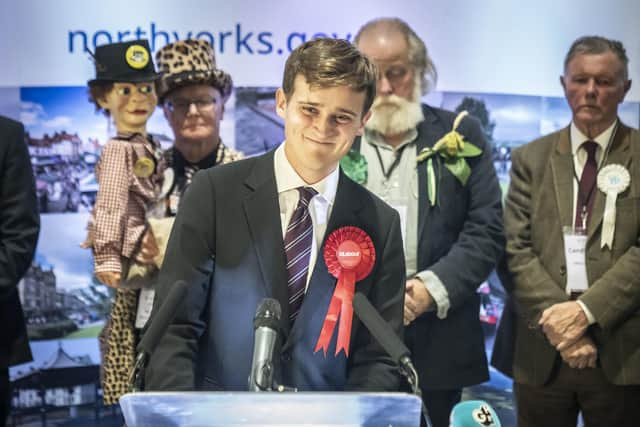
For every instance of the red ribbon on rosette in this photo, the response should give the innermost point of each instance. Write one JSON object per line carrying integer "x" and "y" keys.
{"x": 349, "y": 255}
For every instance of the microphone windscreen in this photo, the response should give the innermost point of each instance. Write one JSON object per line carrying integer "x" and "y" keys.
{"x": 268, "y": 313}
{"x": 474, "y": 413}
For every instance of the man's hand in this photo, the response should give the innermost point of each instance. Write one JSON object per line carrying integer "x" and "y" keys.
{"x": 564, "y": 324}
{"x": 417, "y": 300}
{"x": 109, "y": 278}
{"x": 582, "y": 354}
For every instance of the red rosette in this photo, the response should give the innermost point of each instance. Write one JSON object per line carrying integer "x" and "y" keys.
{"x": 349, "y": 255}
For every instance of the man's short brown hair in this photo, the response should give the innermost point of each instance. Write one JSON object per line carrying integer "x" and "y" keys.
{"x": 595, "y": 45}
{"x": 327, "y": 62}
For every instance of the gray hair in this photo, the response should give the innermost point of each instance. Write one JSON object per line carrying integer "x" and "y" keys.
{"x": 594, "y": 45}
{"x": 418, "y": 54}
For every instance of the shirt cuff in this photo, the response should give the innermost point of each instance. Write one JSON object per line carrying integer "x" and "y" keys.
{"x": 103, "y": 263}
{"x": 437, "y": 290}
{"x": 590, "y": 317}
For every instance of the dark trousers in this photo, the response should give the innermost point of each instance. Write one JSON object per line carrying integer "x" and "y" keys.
{"x": 571, "y": 391}
{"x": 439, "y": 404}
{"x": 5, "y": 396}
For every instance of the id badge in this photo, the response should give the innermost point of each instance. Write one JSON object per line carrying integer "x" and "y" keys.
{"x": 575, "y": 245}
{"x": 145, "y": 304}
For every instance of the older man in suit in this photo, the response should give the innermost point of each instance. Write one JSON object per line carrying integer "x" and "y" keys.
{"x": 262, "y": 227}
{"x": 19, "y": 228}
{"x": 572, "y": 217}
{"x": 453, "y": 223}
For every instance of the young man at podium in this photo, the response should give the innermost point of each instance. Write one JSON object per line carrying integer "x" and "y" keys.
{"x": 288, "y": 225}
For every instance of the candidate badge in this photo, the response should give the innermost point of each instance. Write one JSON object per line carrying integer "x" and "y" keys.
{"x": 143, "y": 168}
{"x": 137, "y": 56}
{"x": 612, "y": 180}
{"x": 349, "y": 255}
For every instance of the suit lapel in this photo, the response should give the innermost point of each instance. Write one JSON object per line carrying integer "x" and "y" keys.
{"x": 562, "y": 169}
{"x": 429, "y": 132}
{"x": 262, "y": 210}
{"x": 322, "y": 284}
{"x": 618, "y": 154}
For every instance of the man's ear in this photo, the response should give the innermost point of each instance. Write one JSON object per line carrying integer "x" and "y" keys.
{"x": 564, "y": 86}
{"x": 222, "y": 111}
{"x": 281, "y": 103}
{"x": 165, "y": 111}
{"x": 363, "y": 122}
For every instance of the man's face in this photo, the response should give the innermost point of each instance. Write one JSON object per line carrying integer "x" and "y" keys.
{"x": 130, "y": 105}
{"x": 320, "y": 125}
{"x": 194, "y": 113}
{"x": 594, "y": 85}
{"x": 396, "y": 108}
{"x": 389, "y": 50}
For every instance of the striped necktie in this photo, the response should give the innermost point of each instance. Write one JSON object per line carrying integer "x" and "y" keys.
{"x": 297, "y": 247}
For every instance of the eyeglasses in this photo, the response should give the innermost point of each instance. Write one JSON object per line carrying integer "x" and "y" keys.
{"x": 182, "y": 106}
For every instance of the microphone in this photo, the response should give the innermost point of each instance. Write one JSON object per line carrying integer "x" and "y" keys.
{"x": 266, "y": 336}
{"x": 158, "y": 325}
{"x": 382, "y": 332}
{"x": 474, "y": 413}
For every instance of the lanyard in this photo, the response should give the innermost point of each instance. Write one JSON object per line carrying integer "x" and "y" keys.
{"x": 394, "y": 164}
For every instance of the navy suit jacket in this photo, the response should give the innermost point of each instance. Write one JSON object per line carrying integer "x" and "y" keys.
{"x": 460, "y": 239}
{"x": 19, "y": 228}
{"x": 227, "y": 244}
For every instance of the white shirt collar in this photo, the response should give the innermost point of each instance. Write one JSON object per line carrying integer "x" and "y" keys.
{"x": 577, "y": 137}
{"x": 288, "y": 179}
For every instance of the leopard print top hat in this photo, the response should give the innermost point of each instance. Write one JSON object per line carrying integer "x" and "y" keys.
{"x": 189, "y": 62}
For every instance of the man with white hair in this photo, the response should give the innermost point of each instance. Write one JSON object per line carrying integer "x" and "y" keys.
{"x": 449, "y": 201}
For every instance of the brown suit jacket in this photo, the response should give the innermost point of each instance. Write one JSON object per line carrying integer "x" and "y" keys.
{"x": 538, "y": 205}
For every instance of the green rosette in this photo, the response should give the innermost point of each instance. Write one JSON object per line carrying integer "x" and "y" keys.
{"x": 355, "y": 167}
{"x": 454, "y": 150}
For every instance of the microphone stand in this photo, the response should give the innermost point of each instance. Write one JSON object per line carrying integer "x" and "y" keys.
{"x": 136, "y": 376}
{"x": 406, "y": 368}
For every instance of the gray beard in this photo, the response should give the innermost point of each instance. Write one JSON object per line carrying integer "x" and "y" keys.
{"x": 393, "y": 115}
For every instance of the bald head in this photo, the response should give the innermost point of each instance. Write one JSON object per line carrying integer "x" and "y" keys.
{"x": 383, "y": 34}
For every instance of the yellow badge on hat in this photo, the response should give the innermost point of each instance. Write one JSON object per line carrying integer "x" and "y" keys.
{"x": 143, "y": 168}
{"x": 137, "y": 56}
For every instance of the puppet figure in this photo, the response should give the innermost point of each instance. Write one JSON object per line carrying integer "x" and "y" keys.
{"x": 129, "y": 174}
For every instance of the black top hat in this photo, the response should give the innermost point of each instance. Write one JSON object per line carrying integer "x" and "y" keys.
{"x": 124, "y": 62}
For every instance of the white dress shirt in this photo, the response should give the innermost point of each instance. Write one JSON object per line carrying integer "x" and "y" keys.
{"x": 320, "y": 206}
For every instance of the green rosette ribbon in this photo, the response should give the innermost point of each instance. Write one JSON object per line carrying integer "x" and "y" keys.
{"x": 454, "y": 150}
{"x": 354, "y": 166}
